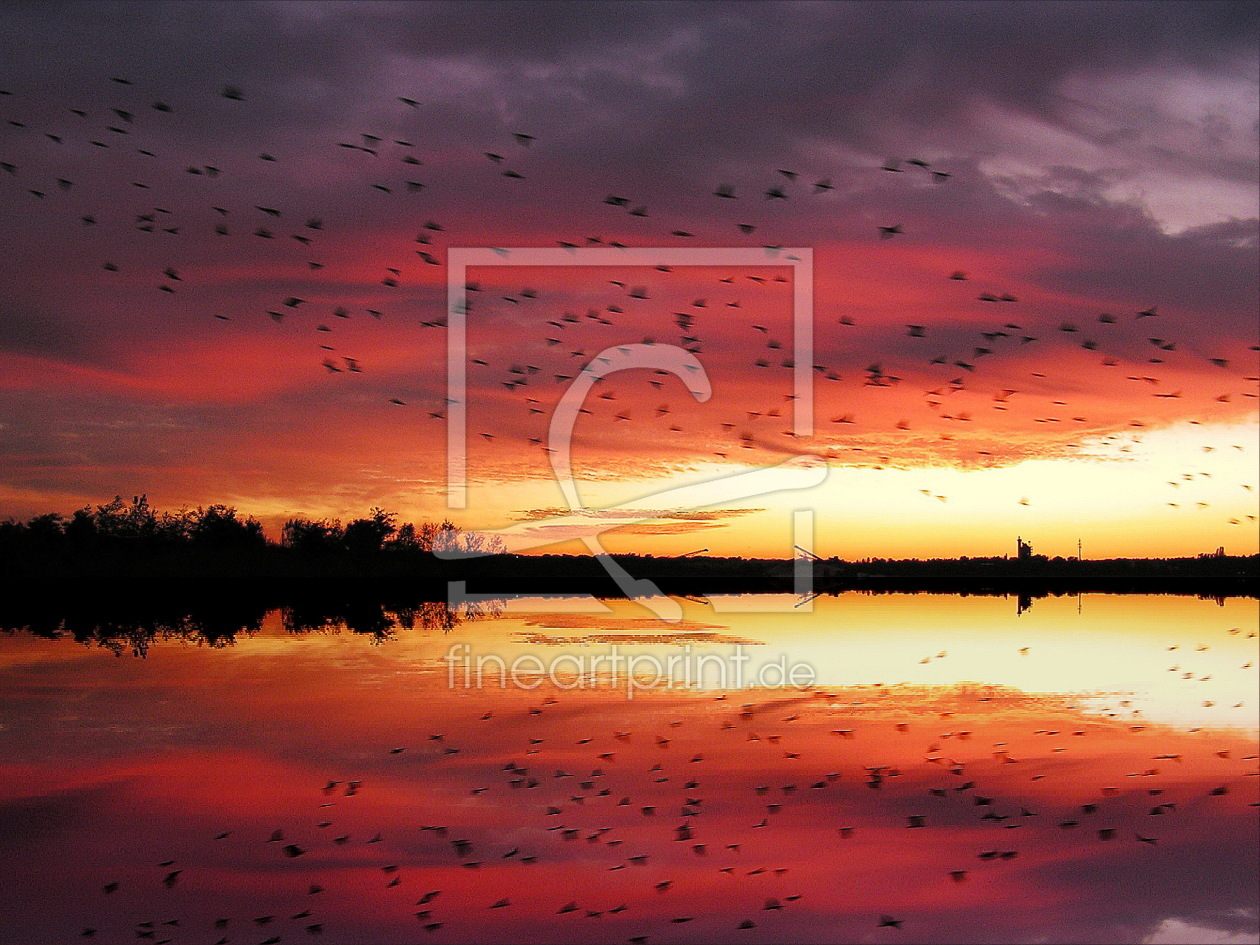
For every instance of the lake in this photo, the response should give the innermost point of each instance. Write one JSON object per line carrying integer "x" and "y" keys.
{"x": 947, "y": 769}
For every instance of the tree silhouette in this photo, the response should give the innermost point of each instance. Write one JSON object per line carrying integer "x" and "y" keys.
{"x": 365, "y": 535}
{"x": 310, "y": 537}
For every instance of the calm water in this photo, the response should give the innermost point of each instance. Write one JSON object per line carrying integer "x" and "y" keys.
{"x": 1084, "y": 771}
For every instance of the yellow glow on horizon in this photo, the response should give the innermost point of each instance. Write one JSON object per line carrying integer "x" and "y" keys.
{"x": 1118, "y": 499}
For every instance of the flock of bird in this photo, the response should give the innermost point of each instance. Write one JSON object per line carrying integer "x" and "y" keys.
{"x": 967, "y": 387}
{"x": 696, "y": 804}
{"x": 635, "y": 799}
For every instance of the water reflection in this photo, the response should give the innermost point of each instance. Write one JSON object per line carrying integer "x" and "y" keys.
{"x": 214, "y": 782}
{"x": 136, "y": 628}
{"x": 135, "y": 622}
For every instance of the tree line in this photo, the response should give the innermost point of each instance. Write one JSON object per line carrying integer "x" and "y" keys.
{"x": 122, "y": 546}
{"x": 120, "y": 525}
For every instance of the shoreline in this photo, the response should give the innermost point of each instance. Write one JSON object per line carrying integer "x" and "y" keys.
{"x": 272, "y": 573}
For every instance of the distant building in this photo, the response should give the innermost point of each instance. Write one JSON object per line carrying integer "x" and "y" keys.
{"x": 1023, "y": 549}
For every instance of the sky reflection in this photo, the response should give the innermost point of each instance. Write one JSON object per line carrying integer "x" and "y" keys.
{"x": 1064, "y": 820}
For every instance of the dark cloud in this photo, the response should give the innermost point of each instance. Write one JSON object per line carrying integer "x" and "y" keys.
{"x": 1101, "y": 158}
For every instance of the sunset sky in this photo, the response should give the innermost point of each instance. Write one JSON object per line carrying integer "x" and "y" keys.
{"x": 225, "y": 275}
